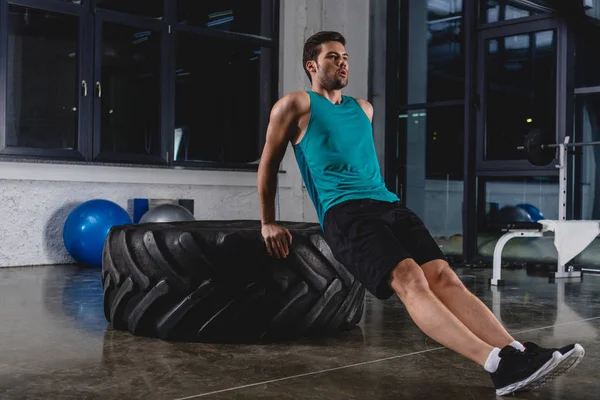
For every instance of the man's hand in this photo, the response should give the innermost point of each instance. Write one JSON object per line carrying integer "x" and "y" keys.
{"x": 277, "y": 239}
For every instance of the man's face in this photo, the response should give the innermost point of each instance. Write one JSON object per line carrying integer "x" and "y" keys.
{"x": 332, "y": 66}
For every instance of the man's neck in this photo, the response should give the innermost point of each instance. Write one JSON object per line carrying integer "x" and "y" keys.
{"x": 335, "y": 96}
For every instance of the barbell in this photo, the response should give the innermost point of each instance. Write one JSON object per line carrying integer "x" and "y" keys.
{"x": 542, "y": 154}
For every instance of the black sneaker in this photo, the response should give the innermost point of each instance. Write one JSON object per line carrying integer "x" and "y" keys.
{"x": 520, "y": 370}
{"x": 571, "y": 355}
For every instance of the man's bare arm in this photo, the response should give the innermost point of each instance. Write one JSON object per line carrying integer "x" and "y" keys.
{"x": 283, "y": 125}
{"x": 279, "y": 132}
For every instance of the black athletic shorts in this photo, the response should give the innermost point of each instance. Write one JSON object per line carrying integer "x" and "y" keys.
{"x": 370, "y": 237}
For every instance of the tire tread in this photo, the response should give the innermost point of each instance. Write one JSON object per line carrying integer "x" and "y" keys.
{"x": 214, "y": 281}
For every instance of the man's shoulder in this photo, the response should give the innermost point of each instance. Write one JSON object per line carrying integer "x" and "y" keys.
{"x": 363, "y": 102}
{"x": 298, "y": 97}
{"x": 366, "y": 106}
{"x": 297, "y": 101}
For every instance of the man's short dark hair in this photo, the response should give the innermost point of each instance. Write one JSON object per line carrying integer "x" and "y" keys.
{"x": 312, "y": 47}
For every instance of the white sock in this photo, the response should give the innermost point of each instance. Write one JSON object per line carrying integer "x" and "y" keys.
{"x": 517, "y": 345}
{"x": 491, "y": 365}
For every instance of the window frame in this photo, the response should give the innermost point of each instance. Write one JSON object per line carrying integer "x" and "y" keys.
{"x": 90, "y": 41}
{"x": 110, "y": 16}
{"x": 549, "y": 12}
{"x": 268, "y": 96}
{"x": 83, "y": 144}
{"x": 519, "y": 167}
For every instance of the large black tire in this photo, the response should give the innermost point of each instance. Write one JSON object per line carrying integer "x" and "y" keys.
{"x": 213, "y": 281}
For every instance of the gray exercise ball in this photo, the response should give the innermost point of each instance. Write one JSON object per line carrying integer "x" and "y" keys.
{"x": 167, "y": 213}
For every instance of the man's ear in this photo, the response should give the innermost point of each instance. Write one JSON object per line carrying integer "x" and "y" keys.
{"x": 311, "y": 66}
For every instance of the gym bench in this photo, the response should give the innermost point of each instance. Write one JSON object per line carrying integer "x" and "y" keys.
{"x": 543, "y": 154}
{"x": 535, "y": 229}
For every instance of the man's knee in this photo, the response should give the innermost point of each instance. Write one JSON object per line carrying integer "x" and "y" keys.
{"x": 439, "y": 275}
{"x": 407, "y": 277}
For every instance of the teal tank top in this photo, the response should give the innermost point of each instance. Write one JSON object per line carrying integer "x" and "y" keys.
{"x": 337, "y": 157}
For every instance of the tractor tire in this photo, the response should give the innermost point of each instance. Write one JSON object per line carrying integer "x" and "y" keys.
{"x": 213, "y": 281}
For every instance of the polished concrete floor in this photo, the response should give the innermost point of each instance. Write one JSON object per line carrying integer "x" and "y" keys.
{"x": 56, "y": 344}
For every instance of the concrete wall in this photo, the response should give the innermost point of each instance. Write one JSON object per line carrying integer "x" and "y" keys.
{"x": 37, "y": 197}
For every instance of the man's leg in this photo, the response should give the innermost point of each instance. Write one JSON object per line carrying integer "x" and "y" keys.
{"x": 435, "y": 320}
{"x": 511, "y": 370}
{"x": 369, "y": 238}
{"x": 359, "y": 235}
{"x": 444, "y": 283}
{"x": 471, "y": 311}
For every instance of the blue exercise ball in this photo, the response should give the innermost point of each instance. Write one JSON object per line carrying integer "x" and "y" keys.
{"x": 88, "y": 225}
{"x": 532, "y": 210}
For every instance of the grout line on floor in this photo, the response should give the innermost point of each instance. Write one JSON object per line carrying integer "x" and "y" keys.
{"x": 311, "y": 373}
{"x": 555, "y": 325}
{"x": 360, "y": 364}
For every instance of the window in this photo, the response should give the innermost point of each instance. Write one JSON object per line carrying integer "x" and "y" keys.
{"x": 146, "y": 8}
{"x": 125, "y": 81}
{"x": 431, "y": 112}
{"x": 506, "y": 10}
{"x": 434, "y": 40}
{"x": 586, "y": 119}
{"x": 592, "y": 8}
{"x": 41, "y": 79}
{"x": 438, "y": 134}
{"x": 520, "y": 86}
{"x": 587, "y": 63}
{"x": 129, "y": 90}
{"x": 231, "y": 85}
{"x": 242, "y": 16}
{"x": 429, "y": 129}
{"x": 445, "y": 50}
{"x": 587, "y": 129}
{"x": 504, "y": 200}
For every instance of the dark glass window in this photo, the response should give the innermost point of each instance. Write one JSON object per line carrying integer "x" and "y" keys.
{"x": 506, "y": 10}
{"x": 435, "y": 41}
{"x": 218, "y": 103}
{"x": 438, "y": 134}
{"x": 145, "y": 8}
{"x": 242, "y": 16}
{"x": 42, "y": 92}
{"x": 434, "y": 36}
{"x": 520, "y": 87}
{"x": 587, "y": 129}
{"x": 587, "y": 60}
{"x": 129, "y": 90}
{"x": 113, "y": 80}
{"x": 445, "y": 49}
{"x": 445, "y": 142}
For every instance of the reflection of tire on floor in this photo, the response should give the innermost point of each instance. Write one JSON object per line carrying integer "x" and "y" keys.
{"x": 214, "y": 281}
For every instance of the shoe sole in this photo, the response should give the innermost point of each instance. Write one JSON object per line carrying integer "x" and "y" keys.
{"x": 568, "y": 361}
{"x": 534, "y": 378}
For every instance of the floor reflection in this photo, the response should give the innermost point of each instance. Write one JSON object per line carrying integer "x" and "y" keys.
{"x": 56, "y": 343}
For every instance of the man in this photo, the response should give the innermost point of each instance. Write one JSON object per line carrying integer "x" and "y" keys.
{"x": 382, "y": 243}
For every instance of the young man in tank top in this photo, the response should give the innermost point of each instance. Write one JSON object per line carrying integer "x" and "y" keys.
{"x": 381, "y": 242}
